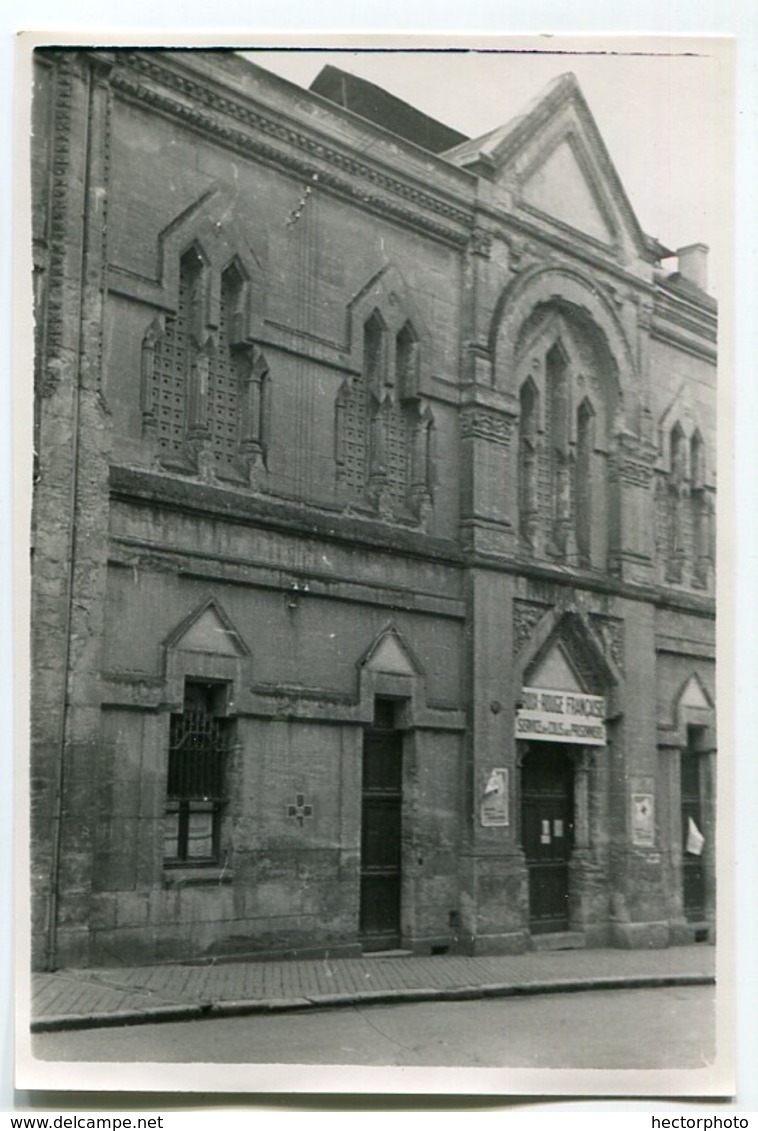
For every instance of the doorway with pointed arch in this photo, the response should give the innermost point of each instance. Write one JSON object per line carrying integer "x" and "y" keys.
{"x": 560, "y": 727}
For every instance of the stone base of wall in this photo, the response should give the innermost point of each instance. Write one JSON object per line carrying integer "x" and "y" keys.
{"x": 683, "y": 933}
{"x": 639, "y": 936}
{"x": 515, "y": 942}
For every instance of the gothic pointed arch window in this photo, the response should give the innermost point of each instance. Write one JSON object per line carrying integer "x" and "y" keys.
{"x": 407, "y": 361}
{"x": 528, "y": 462}
{"x": 205, "y": 384}
{"x": 375, "y": 353}
{"x": 558, "y": 396}
{"x": 382, "y": 438}
{"x": 700, "y": 507}
{"x": 223, "y": 386}
{"x": 677, "y": 491}
{"x": 585, "y": 447}
{"x": 384, "y": 431}
{"x": 174, "y": 353}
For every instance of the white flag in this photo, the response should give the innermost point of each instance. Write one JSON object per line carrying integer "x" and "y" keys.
{"x": 695, "y": 839}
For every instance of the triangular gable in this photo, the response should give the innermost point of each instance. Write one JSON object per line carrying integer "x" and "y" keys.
{"x": 208, "y": 629}
{"x": 388, "y": 292}
{"x": 559, "y": 188}
{"x": 208, "y": 634}
{"x": 694, "y": 695}
{"x": 390, "y": 657}
{"x": 552, "y": 161}
{"x": 390, "y": 654}
{"x": 555, "y": 672}
{"x": 565, "y": 651}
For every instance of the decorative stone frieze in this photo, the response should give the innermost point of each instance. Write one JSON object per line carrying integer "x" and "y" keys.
{"x": 610, "y": 631}
{"x": 481, "y": 243}
{"x": 332, "y": 164}
{"x": 483, "y": 424}
{"x": 59, "y": 205}
{"x": 526, "y": 615}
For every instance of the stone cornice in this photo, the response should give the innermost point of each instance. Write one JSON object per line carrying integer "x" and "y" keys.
{"x": 126, "y": 552}
{"x": 673, "y": 600}
{"x": 150, "y": 489}
{"x": 507, "y": 225}
{"x": 678, "y": 647}
{"x": 662, "y": 332}
{"x": 697, "y": 319}
{"x": 247, "y": 128}
{"x": 146, "y": 488}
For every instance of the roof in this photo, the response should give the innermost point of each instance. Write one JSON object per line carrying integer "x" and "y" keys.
{"x": 481, "y": 155}
{"x": 384, "y": 109}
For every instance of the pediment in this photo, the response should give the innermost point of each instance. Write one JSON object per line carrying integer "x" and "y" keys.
{"x": 391, "y": 655}
{"x": 559, "y": 188}
{"x": 387, "y": 292}
{"x": 552, "y": 164}
{"x": 555, "y": 672}
{"x": 565, "y": 654}
{"x": 220, "y": 238}
{"x": 694, "y": 695}
{"x": 207, "y": 630}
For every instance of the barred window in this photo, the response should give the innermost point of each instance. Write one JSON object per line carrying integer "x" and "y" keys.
{"x": 198, "y": 744}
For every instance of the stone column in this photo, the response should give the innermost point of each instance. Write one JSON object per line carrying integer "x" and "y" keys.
{"x": 71, "y": 517}
{"x": 582, "y": 769}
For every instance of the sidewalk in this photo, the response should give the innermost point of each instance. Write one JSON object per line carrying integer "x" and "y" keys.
{"x": 74, "y": 999}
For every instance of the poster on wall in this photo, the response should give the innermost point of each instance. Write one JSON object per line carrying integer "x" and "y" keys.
{"x": 494, "y": 808}
{"x": 643, "y": 820}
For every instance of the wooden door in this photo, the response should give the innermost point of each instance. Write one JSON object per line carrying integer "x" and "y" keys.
{"x": 380, "y": 840}
{"x": 547, "y": 828}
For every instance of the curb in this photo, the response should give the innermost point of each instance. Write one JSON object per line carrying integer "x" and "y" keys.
{"x": 220, "y": 1009}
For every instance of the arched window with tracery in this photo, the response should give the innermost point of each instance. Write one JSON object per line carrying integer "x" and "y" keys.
{"x": 205, "y": 384}
{"x": 700, "y": 507}
{"x": 174, "y": 350}
{"x": 528, "y": 500}
{"x": 585, "y": 446}
{"x": 384, "y": 433}
{"x": 223, "y": 378}
{"x": 558, "y": 433}
{"x": 677, "y": 491}
{"x": 407, "y": 362}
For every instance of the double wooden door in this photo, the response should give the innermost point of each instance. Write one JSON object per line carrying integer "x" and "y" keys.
{"x": 547, "y": 815}
{"x": 380, "y": 839}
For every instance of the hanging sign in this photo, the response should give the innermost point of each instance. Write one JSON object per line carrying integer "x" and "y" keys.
{"x": 561, "y": 716}
{"x": 494, "y": 807}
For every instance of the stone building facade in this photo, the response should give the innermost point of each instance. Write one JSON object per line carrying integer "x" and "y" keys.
{"x": 373, "y": 528}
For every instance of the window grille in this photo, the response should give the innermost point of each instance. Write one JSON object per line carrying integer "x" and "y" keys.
{"x": 397, "y": 452}
{"x": 354, "y": 436}
{"x": 198, "y": 745}
{"x": 172, "y": 357}
{"x": 223, "y": 395}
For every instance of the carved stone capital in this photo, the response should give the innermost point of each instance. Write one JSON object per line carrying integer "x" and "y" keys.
{"x": 485, "y": 424}
{"x": 480, "y": 243}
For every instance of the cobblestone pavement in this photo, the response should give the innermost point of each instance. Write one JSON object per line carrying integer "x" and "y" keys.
{"x": 72, "y": 998}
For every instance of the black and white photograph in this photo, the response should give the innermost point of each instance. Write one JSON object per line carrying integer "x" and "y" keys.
{"x": 373, "y": 464}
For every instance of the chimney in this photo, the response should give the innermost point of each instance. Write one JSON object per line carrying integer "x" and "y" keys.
{"x": 693, "y": 264}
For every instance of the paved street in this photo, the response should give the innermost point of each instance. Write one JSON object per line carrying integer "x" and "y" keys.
{"x": 670, "y": 1027}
